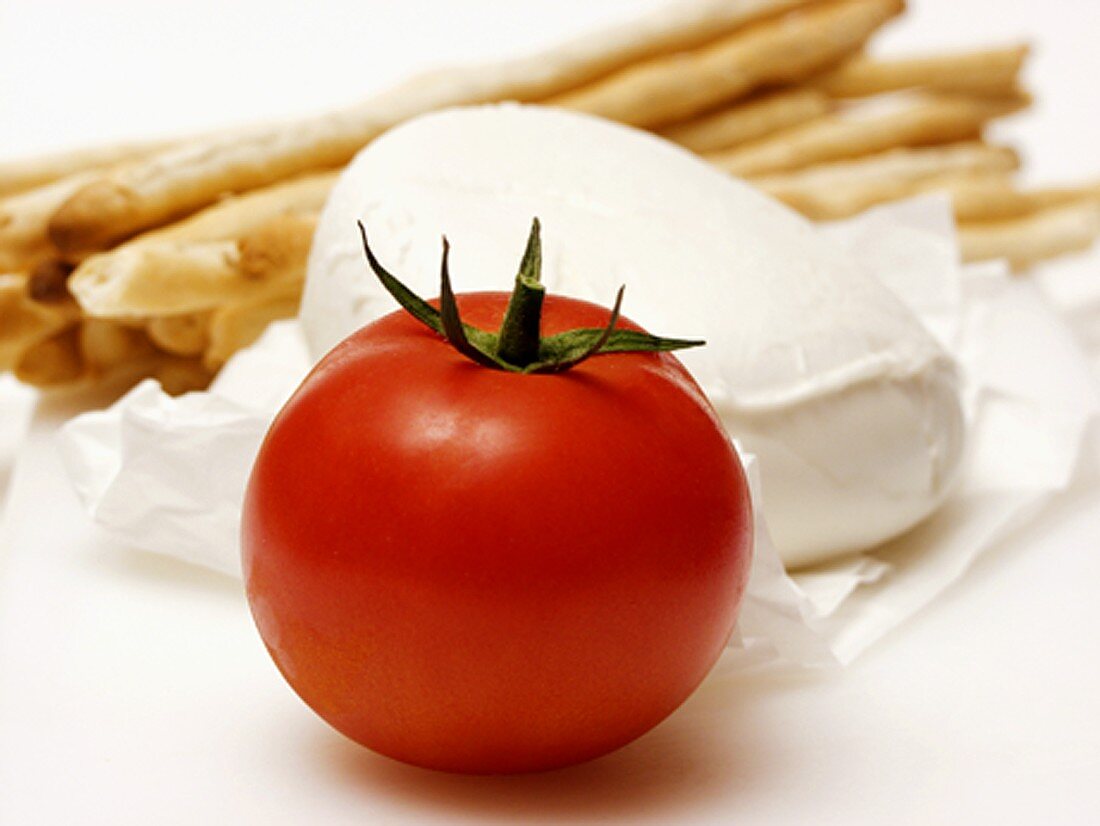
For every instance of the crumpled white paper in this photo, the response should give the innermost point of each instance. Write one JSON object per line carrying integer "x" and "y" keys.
{"x": 168, "y": 475}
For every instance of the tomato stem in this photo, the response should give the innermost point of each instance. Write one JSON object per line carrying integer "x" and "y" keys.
{"x": 520, "y": 331}
{"x": 518, "y": 346}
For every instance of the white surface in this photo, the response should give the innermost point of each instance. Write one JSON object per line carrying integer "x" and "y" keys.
{"x": 981, "y": 710}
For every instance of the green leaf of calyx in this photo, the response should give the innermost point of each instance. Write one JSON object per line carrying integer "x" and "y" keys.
{"x": 574, "y": 346}
{"x": 453, "y": 328}
{"x": 525, "y": 350}
{"x": 416, "y": 306}
{"x": 518, "y": 343}
{"x": 575, "y": 349}
{"x": 636, "y": 341}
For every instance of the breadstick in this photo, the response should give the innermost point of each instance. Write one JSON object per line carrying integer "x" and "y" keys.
{"x": 30, "y": 173}
{"x": 177, "y": 182}
{"x": 105, "y": 345}
{"x": 235, "y": 216}
{"x": 227, "y": 220}
{"x": 1023, "y": 241}
{"x": 928, "y": 119}
{"x": 52, "y": 361}
{"x": 237, "y": 325}
{"x": 993, "y": 72}
{"x": 98, "y": 349}
{"x": 48, "y": 281}
{"x": 841, "y": 200}
{"x": 24, "y": 219}
{"x": 995, "y": 198}
{"x": 181, "y": 375}
{"x": 181, "y": 335}
{"x": 277, "y": 249}
{"x": 155, "y": 278}
{"x": 673, "y": 27}
{"x": 673, "y": 88}
{"x": 748, "y": 121}
{"x": 24, "y": 322}
{"x": 842, "y": 188}
{"x": 974, "y": 197}
{"x": 273, "y": 248}
{"x": 905, "y": 163}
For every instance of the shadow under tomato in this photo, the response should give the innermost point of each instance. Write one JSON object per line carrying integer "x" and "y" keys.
{"x": 713, "y": 746}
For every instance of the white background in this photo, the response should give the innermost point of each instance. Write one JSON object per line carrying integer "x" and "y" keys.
{"x": 134, "y": 690}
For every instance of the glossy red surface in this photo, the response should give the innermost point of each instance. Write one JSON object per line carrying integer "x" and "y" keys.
{"x": 481, "y": 571}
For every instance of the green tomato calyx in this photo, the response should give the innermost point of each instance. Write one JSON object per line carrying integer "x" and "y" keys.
{"x": 519, "y": 346}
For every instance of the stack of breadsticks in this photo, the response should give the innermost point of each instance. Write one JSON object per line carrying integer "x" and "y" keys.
{"x": 165, "y": 258}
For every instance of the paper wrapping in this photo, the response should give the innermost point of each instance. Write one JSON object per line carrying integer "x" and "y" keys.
{"x": 167, "y": 475}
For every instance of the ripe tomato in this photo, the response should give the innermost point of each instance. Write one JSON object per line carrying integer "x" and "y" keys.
{"x": 486, "y": 571}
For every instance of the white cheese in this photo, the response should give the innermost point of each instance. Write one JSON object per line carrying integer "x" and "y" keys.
{"x": 850, "y": 405}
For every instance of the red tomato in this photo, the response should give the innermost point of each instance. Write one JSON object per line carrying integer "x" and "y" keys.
{"x": 482, "y": 571}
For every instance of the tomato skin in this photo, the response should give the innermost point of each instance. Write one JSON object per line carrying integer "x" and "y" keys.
{"x": 480, "y": 571}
